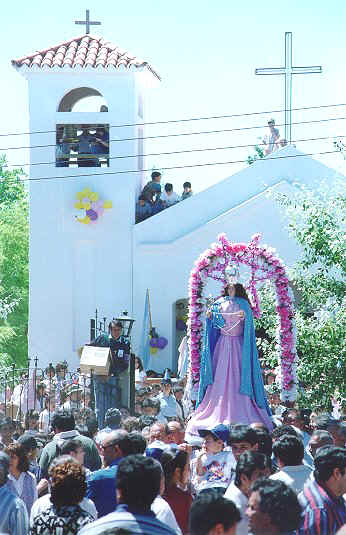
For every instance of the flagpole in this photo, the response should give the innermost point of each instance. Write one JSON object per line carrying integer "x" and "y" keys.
{"x": 149, "y": 310}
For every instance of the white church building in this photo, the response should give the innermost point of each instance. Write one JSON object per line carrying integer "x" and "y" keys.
{"x": 76, "y": 268}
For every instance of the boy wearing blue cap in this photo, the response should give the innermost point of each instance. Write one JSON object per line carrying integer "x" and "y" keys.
{"x": 214, "y": 465}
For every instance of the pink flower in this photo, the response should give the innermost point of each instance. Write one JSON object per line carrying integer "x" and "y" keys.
{"x": 272, "y": 269}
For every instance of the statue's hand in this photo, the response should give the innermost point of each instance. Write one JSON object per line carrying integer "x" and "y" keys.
{"x": 241, "y": 314}
{"x": 209, "y": 313}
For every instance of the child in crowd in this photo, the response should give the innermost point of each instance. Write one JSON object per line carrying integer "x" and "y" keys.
{"x": 143, "y": 209}
{"x": 187, "y": 191}
{"x": 168, "y": 403}
{"x": 46, "y": 414}
{"x": 140, "y": 375}
{"x": 214, "y": 465}
{"x": 169, "y": 197}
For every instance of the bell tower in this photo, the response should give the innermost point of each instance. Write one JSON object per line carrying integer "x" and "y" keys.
{"x": 83, "y": 186}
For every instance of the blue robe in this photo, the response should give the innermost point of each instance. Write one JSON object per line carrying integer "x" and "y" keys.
{"x": 251, "y": 382}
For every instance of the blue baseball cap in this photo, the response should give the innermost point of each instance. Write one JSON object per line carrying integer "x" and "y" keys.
{"x": 220, "y": 432}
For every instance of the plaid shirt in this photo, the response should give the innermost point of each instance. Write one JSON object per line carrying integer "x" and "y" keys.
{"x": 323, "y": 513}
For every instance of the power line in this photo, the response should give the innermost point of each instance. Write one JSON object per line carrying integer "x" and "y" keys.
{"x": 181, "y": 134}
{"x": 38, "y": 179}
{"x": 172, "y": 121}
{"x": 186, "y": 151}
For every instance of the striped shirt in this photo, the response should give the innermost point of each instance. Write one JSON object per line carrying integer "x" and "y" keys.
{"x": 13, "y": 514}
{"x": 323, "y": 513}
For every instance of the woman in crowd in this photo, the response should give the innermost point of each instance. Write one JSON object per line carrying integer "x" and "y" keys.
{"x": 140, "y": 375}
{"x": 176, "y": 467}
{"x": 68, "y": 488}
{"x": 22, "y": 481}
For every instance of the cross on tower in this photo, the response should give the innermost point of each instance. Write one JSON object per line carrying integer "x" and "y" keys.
{"x": 87, "y": 22}
{"x": 288, "y": 70}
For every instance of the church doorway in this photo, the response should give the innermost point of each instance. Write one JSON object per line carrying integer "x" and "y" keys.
{"x": 180, "y": 317}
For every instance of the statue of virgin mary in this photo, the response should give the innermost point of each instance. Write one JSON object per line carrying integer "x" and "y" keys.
{"x": 231, "y": 388}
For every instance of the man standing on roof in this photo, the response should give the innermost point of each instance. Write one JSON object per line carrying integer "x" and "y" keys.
{"x": 272, "y": 141}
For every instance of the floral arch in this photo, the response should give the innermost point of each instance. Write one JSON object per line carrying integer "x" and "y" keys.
{"x": 263, "y": 265}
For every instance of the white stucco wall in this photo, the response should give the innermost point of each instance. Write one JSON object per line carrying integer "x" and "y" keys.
{"x": 77, "y": 268}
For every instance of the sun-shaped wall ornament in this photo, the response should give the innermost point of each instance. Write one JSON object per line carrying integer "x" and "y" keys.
{"x": 93, "y": 207}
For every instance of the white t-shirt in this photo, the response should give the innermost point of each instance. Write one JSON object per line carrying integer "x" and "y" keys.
{"x": 240, "y": 500}
{"x": 218, "y": 470}
{"x": 140, "y": 377}
{"x": 43, "y": 503}
{"x": 170, "y": 199}
{"x": 163, "y": 512}
{"x": 44, "y": 421}
{"x": 294, "y": 476}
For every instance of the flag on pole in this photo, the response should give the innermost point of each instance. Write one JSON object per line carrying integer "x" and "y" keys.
{"x": 144, "y": 348}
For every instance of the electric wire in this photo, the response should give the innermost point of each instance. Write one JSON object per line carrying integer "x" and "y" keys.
{"x": 173, "y": 121}
{"x": 52, "y": 178}
{"x": 186, "y": 151}
{"x": 181, "y": 134}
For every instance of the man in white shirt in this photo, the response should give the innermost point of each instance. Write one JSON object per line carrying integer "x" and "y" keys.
{"x": 289, "y": 453}
{"x": 169, "y": 196}
{"x": 250, "y": 466}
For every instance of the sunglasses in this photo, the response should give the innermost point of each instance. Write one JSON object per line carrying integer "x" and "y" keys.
{"x": 108, "y": 446}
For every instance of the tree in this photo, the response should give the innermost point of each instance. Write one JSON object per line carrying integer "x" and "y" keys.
{"x": 11, "y": 186}
{"x": 316, "y": 219}
{"x": 259, "y": 153}
{"x": 14, "y": 266}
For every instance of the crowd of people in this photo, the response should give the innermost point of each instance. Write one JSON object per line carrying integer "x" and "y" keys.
{"x": 142, "y": 473}
{"x": 31, "y": 400}
{"x": 153, "y": 200}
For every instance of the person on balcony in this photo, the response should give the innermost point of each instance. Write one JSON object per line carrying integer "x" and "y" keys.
{"x": 100, "y": 144}
{"x": 143, "y": 209}
{"x": 85, "y": 141}
{"x": 169, "y": 197}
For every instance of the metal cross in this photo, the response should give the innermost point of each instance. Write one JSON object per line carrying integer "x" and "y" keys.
{"x": 87, "y": 22}
{"x": 288, "y": 70}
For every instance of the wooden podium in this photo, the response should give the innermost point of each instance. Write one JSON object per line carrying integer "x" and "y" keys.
{"x": 96, "y": 360}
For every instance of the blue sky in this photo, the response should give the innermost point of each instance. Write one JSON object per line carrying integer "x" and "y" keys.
{"x": 206, "y": 52}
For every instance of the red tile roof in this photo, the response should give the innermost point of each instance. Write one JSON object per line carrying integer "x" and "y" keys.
{"x": 84, "y": 51}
